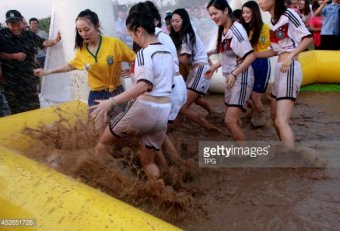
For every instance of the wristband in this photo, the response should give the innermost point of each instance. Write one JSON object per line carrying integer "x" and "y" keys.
{"x": 233, "y": 74}
{"x": 113, "y": 101}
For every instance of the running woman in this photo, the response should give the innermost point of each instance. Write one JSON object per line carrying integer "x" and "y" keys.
{"x": 191, "y": 51}
{"x": 237, "y": 56}
{"x": 258, "y": 34}
{"x": 147, "y": 115}
{"x": 178, "y": 93}
{"x": 289, "y": 36}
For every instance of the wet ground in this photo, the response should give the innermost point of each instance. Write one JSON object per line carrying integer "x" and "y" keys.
{"x": 215, "y": 199}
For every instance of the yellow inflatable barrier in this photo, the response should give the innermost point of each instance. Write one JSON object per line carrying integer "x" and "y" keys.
{"x": 320, "y": 67}
{"x": 34, "y": 197}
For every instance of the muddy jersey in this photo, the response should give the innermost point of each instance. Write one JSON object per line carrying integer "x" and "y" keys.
{"x": 154, "y": 64}
{"x": 197, "y": 51}
{"x": 234, "y": 47}
{"x": 287, "y": 32}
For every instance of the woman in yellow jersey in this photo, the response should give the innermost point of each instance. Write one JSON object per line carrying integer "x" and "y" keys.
{"x": 100, "y": 55}
{"x": 258, "y": 33}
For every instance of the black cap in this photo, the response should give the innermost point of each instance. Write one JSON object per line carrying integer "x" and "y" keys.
{"x": 13, "y": 16}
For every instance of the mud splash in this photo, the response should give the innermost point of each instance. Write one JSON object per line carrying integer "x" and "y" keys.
{"x": 212, "y": 199}
{"x": 69, "y": 149}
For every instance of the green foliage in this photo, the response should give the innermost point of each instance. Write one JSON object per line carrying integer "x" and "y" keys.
{"x": 45, "y": 24}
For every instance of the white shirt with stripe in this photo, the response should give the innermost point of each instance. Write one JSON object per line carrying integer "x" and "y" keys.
{"x": 155, "y": 65}
{"x": 197, "y": 52}
{"x": 287, "y": 33}
{"x": 235, "y": 46}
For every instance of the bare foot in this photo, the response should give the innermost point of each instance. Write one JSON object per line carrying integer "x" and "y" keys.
{"x": 152, "y": 171}
{"x": 311, "y": 157}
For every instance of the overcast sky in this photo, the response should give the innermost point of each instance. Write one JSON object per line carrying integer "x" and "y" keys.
{"x": 28, "y": 8}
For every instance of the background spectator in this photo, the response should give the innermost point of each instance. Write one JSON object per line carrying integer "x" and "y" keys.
{"x": 41, "y": 55}
{"x": 315, "y": 25}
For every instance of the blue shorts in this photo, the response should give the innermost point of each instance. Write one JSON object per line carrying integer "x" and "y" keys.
{"x": 105, "y": 94}
{"x": 262, "y": 70}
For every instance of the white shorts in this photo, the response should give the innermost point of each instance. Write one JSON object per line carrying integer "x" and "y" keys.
{"x": 287, "y": 85}
{"x": 238, "y": 95}
{"x": 178, "y": 97}
{"x": 145, "y": 119}
{"x": 196, "y": 80}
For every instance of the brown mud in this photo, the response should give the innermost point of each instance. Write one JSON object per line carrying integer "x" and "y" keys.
{"x": 211, "y": 199}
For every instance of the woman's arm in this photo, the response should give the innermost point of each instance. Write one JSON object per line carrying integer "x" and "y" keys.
{"x": 41, "y": 72}
{"x": 305, "y": 43}
{"x": 209, "y": 73}
{"x": 211, "y": 52}
{"x": 265, "y": 54}
{"x": 104, "y": 106}
{"x": 243, "y": 66}
{"x": 319, "y": 10}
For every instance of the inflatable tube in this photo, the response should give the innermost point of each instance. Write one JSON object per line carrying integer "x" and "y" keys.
{"x": 320, "y": 67}
{"x": 29, "y": 190}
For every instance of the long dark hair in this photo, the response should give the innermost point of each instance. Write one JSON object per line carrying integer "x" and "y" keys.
{"x": 140, "y": 19}
{"x": 185, "y": 32}
{"x": 256, "y": 23}
{"x": 94, "y": 20}
{"x": 147, "y": 8}
{"x": 220, "y": 5}
{"x": 306, "y": 10}
{"x": 135, "y": 20}
{"x": 279, "y": 9}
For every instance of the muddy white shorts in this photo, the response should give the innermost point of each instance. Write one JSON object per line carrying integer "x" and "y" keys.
{"x": 178, "y": 97}
{"x": 196, "y": 80}
{"x": 238, "y": 95}
{"x": 145, "y": 119}
{"x": 287, "y": 85}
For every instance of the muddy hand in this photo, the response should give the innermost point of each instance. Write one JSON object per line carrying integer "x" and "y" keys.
{"x": 101, "y": 109}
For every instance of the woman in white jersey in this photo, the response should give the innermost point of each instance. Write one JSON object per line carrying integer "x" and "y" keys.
{"x": 147, "y": 115}
{"x": 237, "y": 56}
{"x": 179, "y": 92}
{"x": 289, "y": 36}
{"x": 190, "y": 51}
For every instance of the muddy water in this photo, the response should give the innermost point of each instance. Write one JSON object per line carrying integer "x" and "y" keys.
{"x": 214, "y": 199}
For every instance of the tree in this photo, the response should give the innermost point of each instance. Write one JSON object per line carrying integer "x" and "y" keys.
{"x": 45, "y": 24}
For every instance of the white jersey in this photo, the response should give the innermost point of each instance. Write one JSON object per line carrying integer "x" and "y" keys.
{"x": 287, "y": 33}
{"x": 154, "y": 64}
{"x": 198, "y": 53}
{"x": 234, "y": 47}
{"x": 167, "y": 41}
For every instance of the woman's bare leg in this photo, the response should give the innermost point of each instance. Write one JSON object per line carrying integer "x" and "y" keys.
{"x": 232, "y": 121}
{"x": 195, "y": 117}
{"x": 284, "y": 110}
{"x": 147, "y": 159}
